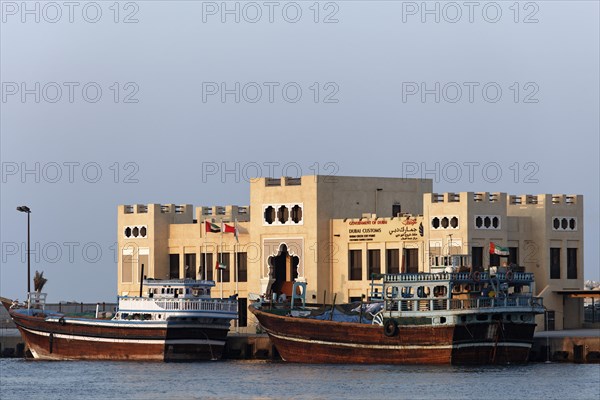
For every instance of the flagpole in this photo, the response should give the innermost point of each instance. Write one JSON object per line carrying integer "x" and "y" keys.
{"x": 205, "y": 236}
{"x": 235, "y": 250}
{"x": 221, "y": 260}
{"x": 237, "y": 278}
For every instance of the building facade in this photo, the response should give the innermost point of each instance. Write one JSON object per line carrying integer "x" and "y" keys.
{"x": 334, "y": 232}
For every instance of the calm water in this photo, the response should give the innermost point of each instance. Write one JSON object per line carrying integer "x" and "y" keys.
{"x": 21, "y": 379}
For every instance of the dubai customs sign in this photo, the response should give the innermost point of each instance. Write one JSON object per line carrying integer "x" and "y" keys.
{"x": 385, "y": 230}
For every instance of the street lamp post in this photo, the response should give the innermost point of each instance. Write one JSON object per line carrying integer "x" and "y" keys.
{"x": 27, "y": 210}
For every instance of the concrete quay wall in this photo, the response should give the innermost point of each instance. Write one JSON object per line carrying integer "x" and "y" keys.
{"x": 578, "y": 346}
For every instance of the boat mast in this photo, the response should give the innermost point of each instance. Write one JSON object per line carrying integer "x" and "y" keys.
{"x": 141, "y": 280}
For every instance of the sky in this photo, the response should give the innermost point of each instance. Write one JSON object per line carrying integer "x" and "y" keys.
{"x": 106, "y": 103}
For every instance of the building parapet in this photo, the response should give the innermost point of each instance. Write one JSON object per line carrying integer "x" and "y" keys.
{"x": 183, "y": 212}
{"x": 293, "y": 181}
{"x": 487, "y": 197}
{"x": 543, "y": 199}
{"x": 435, "y": 197}
{"x": 173, "y": 208}
{"x": 564, "y": 199}
{"x": 285, "y": 180}
{"x": 477, "y": 197}
{"x": 230, "y": 212}
{"x": 135, "y": 209}
{"x": 164, "y": 208}
{"x": 272, "y": 181}
{"x": 498, "y": 197}
{"x": 451, "y": 197}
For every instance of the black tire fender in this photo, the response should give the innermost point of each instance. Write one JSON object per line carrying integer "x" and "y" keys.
{"x": 390, "y": 328}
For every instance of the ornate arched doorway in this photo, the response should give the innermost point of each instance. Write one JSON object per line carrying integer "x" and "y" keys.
{"x": 283, "y": 270}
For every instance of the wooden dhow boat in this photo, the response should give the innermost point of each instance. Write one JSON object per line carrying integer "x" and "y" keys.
{"x": 420, "y": 318}
{"x": 175, "y": 320}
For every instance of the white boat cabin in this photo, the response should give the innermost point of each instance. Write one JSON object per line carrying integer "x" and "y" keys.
{"x": 176, "y": 300}
{"x": 178, "y": 288}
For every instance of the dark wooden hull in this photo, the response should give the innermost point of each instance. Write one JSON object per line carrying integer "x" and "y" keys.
{"x": 305, "y": 340}
{"x": 492, "y": 343}
{"x": 91, "y": 339}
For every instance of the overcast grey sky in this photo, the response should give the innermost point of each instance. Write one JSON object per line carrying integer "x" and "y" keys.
{"x": 367, "y": 88}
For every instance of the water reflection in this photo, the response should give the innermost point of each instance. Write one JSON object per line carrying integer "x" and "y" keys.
{"x": 278, "y": 380}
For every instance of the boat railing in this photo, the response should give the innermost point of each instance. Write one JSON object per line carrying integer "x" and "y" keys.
{"x": 509, "y": 276}
{"x": 496, "y": 302}
{"x": 463, "y": 304}
{"x": 187, "y": 304}
{"x": 36, "y": 300}
{"x": 512, "y": 276}
{"x": 376, "y": 292}
{"x": 171, "y": 282}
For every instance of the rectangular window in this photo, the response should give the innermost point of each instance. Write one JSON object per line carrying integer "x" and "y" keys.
{"x": 494, "y": 260}
{"x": 355, "y": 265}
{"x": 208, "y": 267}
{"x": 477, "y": 255}
{"x": 228, "y": 266}
{"x": 396, "y": 210}
{"x": 555, "y": 263}
{"x": 242, "y": 311}
{"x": 513, "y": 257}
{"x": 392, "y": 261}
{"x": 126, "y": 269}
{"x": 571, "y": 263}
{"x": 242, "y": 267}
{"x": 143, "y": 260}
{"x": 411, "y": 261}
{"x": 190, "y": 266}
{"x": 374, "y": 262}
{"x": 173, "y": 266}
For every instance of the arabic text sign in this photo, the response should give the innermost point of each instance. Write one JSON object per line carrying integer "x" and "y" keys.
{"x": 403, "y": 229}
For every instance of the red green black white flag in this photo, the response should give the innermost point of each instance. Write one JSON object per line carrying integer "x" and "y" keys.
{"x": 213, "y": 228}
{"x": 220, "y": 266}
{"x": 501, "y": 251}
